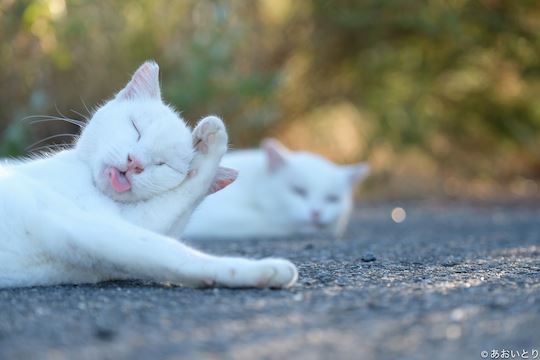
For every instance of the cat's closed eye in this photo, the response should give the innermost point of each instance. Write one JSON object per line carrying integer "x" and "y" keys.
{"x": 136, "y": 129}
{"x": 332, "y": 198}
{"x": 174, "y": 168}
{"x": 298, "y": 190}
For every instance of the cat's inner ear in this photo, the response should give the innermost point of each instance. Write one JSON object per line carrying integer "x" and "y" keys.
{"x": 356, "y": 173}
{"x": 224, "y": 177}
{"x": 276, "y": 154}
{"x": 143, "y": 85}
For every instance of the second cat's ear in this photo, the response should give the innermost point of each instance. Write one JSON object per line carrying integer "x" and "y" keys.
{"x": 276, "y": 154}
{"x": 357, "y": 172}
{"x": 143, "y": 85}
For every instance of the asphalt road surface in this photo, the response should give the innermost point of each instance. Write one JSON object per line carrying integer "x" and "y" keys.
{"x": 449, "y": 282}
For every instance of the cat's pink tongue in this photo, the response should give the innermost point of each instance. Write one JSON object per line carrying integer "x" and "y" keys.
{"x": 119, "y": 181}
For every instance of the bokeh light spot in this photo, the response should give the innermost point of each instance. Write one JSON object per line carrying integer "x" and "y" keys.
{"x": 399, "y": 215}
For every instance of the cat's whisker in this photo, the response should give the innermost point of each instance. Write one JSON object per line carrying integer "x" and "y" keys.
{"x": 59, "y": 112}
{"x": 87, "y": 109}
{"x": 81, "y": 115}
{"x": 49, "y": 138}
{"x": 45, "y": 118}
{"x": 49, "y": 148}
{"x": 74, "y": 122}
{"x": 65, "y": 117}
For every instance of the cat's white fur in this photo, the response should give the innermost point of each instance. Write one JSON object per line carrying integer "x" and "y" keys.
{"x": 108, "y": 207}
{"x": 279, "y": 192}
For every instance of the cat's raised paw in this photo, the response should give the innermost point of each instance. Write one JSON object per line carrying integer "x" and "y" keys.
{"x": 210, "y": 136}
{"x": 276, "y": 273}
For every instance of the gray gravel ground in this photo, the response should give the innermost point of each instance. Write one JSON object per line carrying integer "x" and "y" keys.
{"x": 448, "y": 283}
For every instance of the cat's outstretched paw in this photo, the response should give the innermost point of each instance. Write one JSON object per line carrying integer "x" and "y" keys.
{"x": 210, "y": 137}
{"x": 244, "y": 273}
{"x": 276, "y": 273}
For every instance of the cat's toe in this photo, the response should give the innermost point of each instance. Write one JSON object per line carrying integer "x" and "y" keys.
{"x": 210, "y": 136}
{"x": 278, "y": 273}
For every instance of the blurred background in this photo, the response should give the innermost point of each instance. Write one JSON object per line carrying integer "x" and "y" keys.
{"x": 441, "y": 97}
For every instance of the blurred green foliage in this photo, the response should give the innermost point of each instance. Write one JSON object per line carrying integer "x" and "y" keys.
{"x": 454, "y": 77}
{"x": 456, "y": 80}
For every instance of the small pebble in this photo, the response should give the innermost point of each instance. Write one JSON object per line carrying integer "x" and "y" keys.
{"x": 104, "y": 334}
{"x": 450, "y": 263}
{"x": 368, "y": 257}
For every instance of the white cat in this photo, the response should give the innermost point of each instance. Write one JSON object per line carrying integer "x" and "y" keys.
{"x": 106, "y": 209}
{"x": 279, "y": 192}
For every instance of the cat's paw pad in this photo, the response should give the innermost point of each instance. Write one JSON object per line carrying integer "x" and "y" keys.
{"x": 210, "y": 136}
{"x": 276, "y": 273}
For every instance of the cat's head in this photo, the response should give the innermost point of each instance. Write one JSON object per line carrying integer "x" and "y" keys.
{"x": 137, "y": 146}
{"x": 309, "y": 191}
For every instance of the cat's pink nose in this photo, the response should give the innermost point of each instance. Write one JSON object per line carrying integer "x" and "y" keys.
{"x": 134, "y": 164}
{"x": 316, "y": 216}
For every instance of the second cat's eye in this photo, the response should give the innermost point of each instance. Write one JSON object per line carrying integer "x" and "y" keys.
{"x": 136, "y": 129}
{"x": 300, "y": 191}
{"x": 332, "y": 198}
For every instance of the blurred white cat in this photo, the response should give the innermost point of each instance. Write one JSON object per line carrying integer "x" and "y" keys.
{"x": 279, "y": 192}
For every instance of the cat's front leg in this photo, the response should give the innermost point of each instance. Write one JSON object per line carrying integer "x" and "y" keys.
{"x": 118, "y": 249}
{"x": 205, "y": 176}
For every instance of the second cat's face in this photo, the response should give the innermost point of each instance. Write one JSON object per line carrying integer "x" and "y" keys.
{"x": 136, "y": 146}
{"x": 312, "y": 193}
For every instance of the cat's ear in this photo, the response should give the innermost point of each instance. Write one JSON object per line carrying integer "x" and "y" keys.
{"x": 143, "y": 85}
{"x": 276, "y": 154}
{"x": 357, "y": 172}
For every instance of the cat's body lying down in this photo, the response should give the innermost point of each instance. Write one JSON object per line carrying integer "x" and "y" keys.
{"x": 279, "y": 192}
{"x": 108, "y": 208}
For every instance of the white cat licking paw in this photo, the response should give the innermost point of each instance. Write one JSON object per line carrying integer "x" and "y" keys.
{"x": 135, "y": 175}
